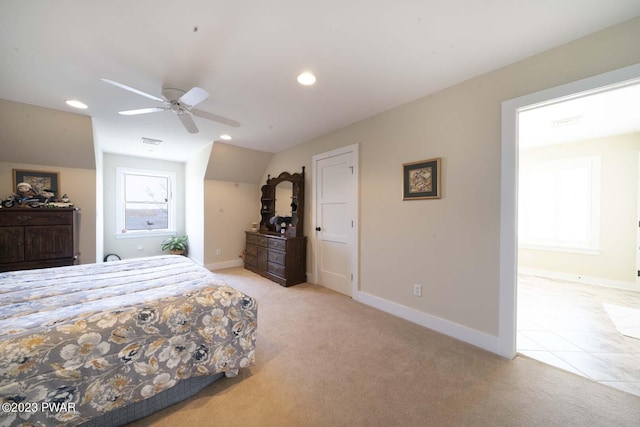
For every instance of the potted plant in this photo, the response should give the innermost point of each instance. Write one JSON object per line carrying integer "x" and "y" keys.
{"x": 177, "y": 245}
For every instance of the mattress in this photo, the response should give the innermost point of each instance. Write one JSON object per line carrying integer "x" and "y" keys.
{"x": 77, "y": 342}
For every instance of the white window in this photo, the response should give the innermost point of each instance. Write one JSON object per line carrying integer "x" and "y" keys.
{"x": 559, "y": 205}
{"x": 145, "y": 203}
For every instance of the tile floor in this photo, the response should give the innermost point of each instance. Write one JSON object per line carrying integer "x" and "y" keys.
{"x": 565, "y": 325}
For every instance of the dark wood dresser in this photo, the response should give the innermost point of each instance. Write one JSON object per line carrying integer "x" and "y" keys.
{"x": 282, "y": 259}
{"x": 37, "y": 238}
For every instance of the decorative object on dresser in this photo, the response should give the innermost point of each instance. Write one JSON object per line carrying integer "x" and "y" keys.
{"x": 38, "y": 238}
{"x": 278, "y": 250}
{"x": 40, "y": 181}
{"x": 35, "y": 190}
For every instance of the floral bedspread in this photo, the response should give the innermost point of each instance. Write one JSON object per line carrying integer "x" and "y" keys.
{"x": 78, "y": 341}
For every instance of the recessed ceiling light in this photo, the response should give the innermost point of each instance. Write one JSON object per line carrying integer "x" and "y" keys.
{"x": 225, "y": 137}
{"x": 306, "y": 79}
{"x": 76, "y": 104}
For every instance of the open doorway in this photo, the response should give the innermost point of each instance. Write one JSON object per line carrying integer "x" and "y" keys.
{"x": 577, "y": 245}
{"x": 509, "y": 191}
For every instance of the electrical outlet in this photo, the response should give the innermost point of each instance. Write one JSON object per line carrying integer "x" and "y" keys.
{"x": 417, "y": 290}
{"x": 218, "y": 251}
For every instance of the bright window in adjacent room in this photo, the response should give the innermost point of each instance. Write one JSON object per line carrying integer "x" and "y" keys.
{"x": 145, "y": 203}
{"x": 559, "y": 205}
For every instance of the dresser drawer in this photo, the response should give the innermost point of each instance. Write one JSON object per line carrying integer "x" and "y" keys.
{"x": 276, "y": 256}
{"x": 276, "y": 269}
{"x": 37, "y": 217}
{"x": 257, "y": 240}
{"x": 251, "y": 260}
{"x": 252, "y": 250}
{"x": 277, "y": 244}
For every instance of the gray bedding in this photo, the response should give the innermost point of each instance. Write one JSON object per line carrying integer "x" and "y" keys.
{"x": 77, "y": 342}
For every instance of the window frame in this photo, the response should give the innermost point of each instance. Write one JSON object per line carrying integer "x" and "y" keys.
{"x": 121, "y": 203}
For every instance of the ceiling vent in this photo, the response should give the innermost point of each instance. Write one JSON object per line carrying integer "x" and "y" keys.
{"x": 151, "y": 141}
{"x": 568, "y": 121}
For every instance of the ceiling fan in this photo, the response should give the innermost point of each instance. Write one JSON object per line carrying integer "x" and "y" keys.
{"x": 179, "y": 102}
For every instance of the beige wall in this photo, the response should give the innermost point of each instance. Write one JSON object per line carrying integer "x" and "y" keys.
{"x": 451, "y": 245}
{"x": 229, "y": 210}
{"x": 618, "y": 211}
{"x": 80, "y": 186}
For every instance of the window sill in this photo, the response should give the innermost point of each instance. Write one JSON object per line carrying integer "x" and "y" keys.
{"x": 142, "y": 234}
{"x": 565, "y": 249}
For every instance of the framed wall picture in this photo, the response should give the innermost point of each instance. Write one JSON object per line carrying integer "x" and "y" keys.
{"x": 39, "y": 180}
{"x": 421, "y": 180}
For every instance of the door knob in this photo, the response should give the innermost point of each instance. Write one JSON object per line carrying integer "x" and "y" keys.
{"x": 318, "y": 229}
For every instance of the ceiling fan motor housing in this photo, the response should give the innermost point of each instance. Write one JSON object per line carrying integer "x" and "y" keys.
{"x": 172, "y": 93}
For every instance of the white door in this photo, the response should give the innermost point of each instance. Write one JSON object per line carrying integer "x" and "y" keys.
{"x": 335, "y": 202}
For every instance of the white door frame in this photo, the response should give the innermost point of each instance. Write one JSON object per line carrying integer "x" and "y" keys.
{"x": 354, "y": 238}
{"x": 637, "y": 281}
{"x": 509, "y": 190}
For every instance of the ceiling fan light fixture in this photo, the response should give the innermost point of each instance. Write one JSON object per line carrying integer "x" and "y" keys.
{"x": 306, "y": 78}
{"x": 226, "y": 137}
{"x": 76, "y": 104}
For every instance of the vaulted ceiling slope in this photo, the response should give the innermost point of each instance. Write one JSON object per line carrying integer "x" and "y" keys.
{"x": 43, "y": 136}
{"x": 236, "y": 164}
{"x": 369, "y": 56}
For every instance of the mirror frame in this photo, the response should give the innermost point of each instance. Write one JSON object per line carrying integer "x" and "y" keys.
{"x": 268, "y": 202}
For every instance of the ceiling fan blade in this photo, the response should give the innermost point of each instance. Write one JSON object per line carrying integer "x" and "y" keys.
{"x": 188, "y": 122}
{"x": 142, "y": 111}
{"x": 194, "y": 97}
{"x": 214, "y": 117}
{"x": 130, "y": 89}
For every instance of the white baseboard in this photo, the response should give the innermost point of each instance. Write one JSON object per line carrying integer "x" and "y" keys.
{"x": 629, "y": 286}
{"x": 225, "y": 264}
{"x": 454, "y": 330}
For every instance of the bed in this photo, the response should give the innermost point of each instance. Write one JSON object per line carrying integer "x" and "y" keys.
{"x": 100, "y": 341}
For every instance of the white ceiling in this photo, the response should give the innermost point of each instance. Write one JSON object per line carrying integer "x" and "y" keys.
{"x": 606, "y": 112}
{"x": 369, "y": 56}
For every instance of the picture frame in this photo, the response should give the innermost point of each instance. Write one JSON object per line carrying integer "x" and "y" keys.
{"x": 39, "y": 180}
{"x": 421, "y": 179}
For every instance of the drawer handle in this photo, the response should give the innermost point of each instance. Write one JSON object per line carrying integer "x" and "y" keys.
{"x": 24, "y": 217}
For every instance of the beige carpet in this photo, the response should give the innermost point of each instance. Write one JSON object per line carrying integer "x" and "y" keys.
{"x": 325, "y": 360}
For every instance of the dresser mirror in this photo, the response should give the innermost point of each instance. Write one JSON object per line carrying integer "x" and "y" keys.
{"x": 284, "y": 194}
{"x": 282, "y": 210}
